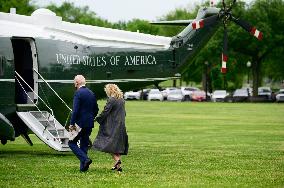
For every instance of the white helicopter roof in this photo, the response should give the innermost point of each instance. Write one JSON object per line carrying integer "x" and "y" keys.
{"x": 44, "y": 24}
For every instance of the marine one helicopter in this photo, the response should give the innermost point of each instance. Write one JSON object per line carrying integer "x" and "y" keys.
{"x": 40, "y": 55}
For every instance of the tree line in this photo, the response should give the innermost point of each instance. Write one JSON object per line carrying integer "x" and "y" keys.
{"x": 266, "y": 56}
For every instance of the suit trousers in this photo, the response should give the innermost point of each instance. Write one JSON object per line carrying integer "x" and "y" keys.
{"x": 82, "y": 150}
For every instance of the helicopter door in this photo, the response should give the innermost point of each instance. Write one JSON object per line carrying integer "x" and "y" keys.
{"x": 25, "y": 59}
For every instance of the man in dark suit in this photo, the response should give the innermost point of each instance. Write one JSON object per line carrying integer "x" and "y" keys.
{"x": 85, "y": 109}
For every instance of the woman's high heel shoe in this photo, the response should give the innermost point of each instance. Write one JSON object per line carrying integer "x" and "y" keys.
{"x": 119, "y": 169}
{"x": 116, "y": 165}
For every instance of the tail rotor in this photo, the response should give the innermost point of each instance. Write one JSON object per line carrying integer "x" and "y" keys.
{"x": 225, "y": 15}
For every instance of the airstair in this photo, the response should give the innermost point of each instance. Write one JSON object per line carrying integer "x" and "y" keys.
{"x": 43, "y": 123}
{"x": 47, "y": 128}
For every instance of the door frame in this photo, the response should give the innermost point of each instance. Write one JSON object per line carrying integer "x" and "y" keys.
{"x": 34, "y": 55}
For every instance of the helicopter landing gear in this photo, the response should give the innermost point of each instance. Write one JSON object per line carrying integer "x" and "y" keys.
{"x": 4, "y": 141}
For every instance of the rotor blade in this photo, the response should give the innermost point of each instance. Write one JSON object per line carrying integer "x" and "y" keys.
{"x": 224, "y": 4}
{"x": 225, "y": 51}
{"x": 173, "y": 22}
{"x": 225, "y": 41}
{"x": 249, "y": 28}
{"x": 205, "y": 22}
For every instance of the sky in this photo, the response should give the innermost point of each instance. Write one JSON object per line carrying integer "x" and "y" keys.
{"x": 125, "y": 10}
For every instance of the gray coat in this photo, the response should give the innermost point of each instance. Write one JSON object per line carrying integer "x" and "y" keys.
{"x": 112, "y": 136}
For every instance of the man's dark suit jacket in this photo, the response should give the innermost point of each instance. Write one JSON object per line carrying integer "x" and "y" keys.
{"x": 85, "y": 108}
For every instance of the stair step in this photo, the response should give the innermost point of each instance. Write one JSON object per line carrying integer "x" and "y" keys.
{"x": 61, "y": 137}
{"x": 25, "y": 107}
{"x": 60, "y": 129}
{"x": 65, "y": 146}
{"x": 42, "y": 116}
{"x": 47, "y": 123}
{"x": 58, "y": 132}
{"x": 47, "y": 120}
{"x": 49, "y": 131}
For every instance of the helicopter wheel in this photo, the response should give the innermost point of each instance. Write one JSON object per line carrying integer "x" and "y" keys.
{"x": 4, "y": 141}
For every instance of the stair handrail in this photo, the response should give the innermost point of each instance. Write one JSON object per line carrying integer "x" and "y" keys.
{"x": 32, "y": 91}
{"x": 53, "y": 90}
{"x": 55, "y": 126}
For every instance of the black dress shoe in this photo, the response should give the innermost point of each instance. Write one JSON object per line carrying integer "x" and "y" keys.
{"x": 86, "y": 165}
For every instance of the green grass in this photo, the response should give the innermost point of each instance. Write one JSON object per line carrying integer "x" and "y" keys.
{"x": 171, "y": 145}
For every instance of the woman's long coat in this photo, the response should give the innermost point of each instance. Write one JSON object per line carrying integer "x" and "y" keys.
{"x": 112, "y": 136}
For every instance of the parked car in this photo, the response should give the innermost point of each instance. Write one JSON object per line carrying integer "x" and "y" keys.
{"x": 132, "y": 95}
{"x": 241, "y": 95}
{"x": 175, "y": 95}
{"x": 166, "y": 91}
{"x": 155, "y": 94}
{"x": 229, "y": 98}
{"x": 219, "y": 95}
{"x": 187, "y": 92}
{"x": 265, "y": 92}
{"x": 280, "y": 96}
{"x": 198, "y": 96}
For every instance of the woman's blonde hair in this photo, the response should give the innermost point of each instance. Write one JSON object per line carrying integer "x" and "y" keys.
{"x": 112, "y": 90}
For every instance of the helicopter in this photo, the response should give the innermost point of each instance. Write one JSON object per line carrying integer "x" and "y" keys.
{"x": 40, "y": 55}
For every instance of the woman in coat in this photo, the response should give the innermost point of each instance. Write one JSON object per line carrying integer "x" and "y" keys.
{"x": 112, "y": 137}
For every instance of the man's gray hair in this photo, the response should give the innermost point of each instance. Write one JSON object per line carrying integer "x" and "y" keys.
{"x": 80, "y": 79}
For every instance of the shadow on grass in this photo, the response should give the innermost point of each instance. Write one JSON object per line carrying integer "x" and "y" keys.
{"x": 9, "y": 153}
{"x": 93, "y": 170}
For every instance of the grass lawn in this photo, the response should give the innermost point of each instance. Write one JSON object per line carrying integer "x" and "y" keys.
{"x": 171, "y": 145}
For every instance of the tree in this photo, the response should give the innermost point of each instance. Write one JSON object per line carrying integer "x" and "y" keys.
{"x": 273, "y": 65}
{"x": 268, "y": 16}
{"x": 81, "y": 15}
{"x": 177, "y": 14}
{"x": 265, "y": 55}
{"x": 23, "y": 7}
{"x": 142, "y": 26}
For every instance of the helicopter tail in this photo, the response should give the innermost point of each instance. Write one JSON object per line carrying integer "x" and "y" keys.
{"x": 191, "y": 40}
